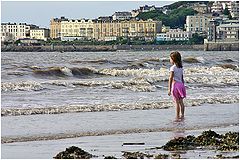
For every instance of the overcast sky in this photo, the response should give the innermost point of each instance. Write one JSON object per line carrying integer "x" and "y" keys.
{"x": 40, "y": 12}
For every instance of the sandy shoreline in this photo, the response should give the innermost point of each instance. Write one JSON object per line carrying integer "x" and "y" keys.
{"x": 110, "y": 145}
{"x": 152, "y": 127}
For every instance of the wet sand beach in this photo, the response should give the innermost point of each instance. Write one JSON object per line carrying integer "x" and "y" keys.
{"x": 152, "y": 127}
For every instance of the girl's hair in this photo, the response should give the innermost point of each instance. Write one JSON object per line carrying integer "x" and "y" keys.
{"x": 176, "y": 57}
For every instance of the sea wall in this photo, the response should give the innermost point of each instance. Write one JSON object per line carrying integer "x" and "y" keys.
{"x": 160, "y": 47}
{"x": 97, "y": 48}
{"x": 221, "y": 46}
{"x": 57, "y": 48}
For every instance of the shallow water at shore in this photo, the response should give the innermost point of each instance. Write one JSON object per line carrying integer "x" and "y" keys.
{"x": 70, "y": 125}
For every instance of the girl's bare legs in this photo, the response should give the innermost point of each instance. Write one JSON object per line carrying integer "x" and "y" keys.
{"x": 177, "y": 102}
{"x": 182, "y": 108}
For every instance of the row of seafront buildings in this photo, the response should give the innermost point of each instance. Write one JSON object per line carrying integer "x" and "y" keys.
{"x": 210, "y": 22}
{"x": 103, "y": 29}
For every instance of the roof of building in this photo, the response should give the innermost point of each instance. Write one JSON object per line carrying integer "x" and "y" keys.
{"x": 122, "y": 14}
{"x": 146, "y": 7}
{"x": 9, "y": 23}
{"x": 60, "y": 19}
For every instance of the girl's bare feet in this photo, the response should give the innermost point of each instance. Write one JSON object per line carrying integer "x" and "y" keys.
{"x": 182, "y": 117}
{"x": 177, "y": 119}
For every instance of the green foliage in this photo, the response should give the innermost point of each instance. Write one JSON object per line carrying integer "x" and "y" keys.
{"x": 174, "y": 42}
{"x": 183, "y": 3}
{"x": 150, "y": 15}
{"x": 226, "y": 11}
{"x": 175, "y": 19}
{"x": 17, "y": 41}
{"x": 196, "y": 39}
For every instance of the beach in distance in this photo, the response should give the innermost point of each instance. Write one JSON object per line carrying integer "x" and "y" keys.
{"x": 98, "y": 101}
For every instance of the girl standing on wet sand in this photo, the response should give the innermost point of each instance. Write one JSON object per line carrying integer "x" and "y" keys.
{"x": 176, "y": 83}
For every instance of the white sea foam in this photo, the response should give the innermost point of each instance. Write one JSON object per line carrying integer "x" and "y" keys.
{"x": 135, "y": 84}
{"x": 117, "y": 107}
{"x": 134, "y": 72}
{"x": 21, "y": 86}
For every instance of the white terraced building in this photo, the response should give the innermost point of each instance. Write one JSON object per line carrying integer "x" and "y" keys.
{"x": 174, "y": 34}
{"x": 228, "y": 32}
{"x": 14, "y": 31}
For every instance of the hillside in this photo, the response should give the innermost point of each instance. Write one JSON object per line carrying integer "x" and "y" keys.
{"x": 184, "y": 4}
{"x": 175, "y": 18}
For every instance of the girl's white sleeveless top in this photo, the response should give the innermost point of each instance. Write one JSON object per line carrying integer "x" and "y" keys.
{"x": 178, "y": 72}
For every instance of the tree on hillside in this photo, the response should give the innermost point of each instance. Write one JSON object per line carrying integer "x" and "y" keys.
{"x": 183, "y": 3}
{"x": 151, "y": 15}
{"x": 196, "y": 39}
{"x": 226, "y": 11}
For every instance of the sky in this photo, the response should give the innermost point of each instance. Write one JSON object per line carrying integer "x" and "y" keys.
{"x": 40, "y": 12}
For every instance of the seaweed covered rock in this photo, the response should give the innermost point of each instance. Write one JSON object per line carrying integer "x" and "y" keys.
{"x": 220, "y": 156}
{"x": 208, "y": 138}
{"x": 161, "y": 156}
{"x": 73, "y": 152}
{"x": 226, "y": 142}
{"x": 136, "y": 155}
{"x": 181, "y": 143}
{"x": 230, "y": 142}
{"x": 110, "y": 157}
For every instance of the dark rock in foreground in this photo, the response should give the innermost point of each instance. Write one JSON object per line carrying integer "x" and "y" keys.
{"x": 220, "y": 156}
{"x": 161, "y": 156}
{"x": 136, "y": 155}
{"x": 110, "y": 157}
{"x": 180, "y": 143}
{"x": 73, "y": 153}
{"x": 226, "y": 142}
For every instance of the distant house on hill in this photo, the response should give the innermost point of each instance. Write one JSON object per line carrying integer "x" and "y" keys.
{"x": 147, "y": 8}
{"x": 201, "y": 8}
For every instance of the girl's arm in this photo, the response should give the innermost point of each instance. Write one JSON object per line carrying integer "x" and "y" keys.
{"x": 170, "y": 83}
{"x": 182, "y": 79}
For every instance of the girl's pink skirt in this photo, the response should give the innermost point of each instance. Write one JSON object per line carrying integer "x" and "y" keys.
{"x": 178, "y": 90}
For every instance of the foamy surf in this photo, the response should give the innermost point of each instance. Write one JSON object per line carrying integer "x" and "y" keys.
{"x": 116, "y": 107}
{"x": 21, "y": 86}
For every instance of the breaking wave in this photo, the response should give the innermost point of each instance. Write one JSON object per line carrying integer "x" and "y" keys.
{"x": 65, "y": 71}
{"x": 194, "y": 60}
{"x": 116, "y": 107}
{"x": 141, "y": 80}
{"x": 98, "y": 61}
{"x": 231, "y": 66}
{"x": 228, "y": 60}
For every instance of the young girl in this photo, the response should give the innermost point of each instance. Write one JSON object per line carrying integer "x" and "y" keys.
{"x": 176, "y": 83}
